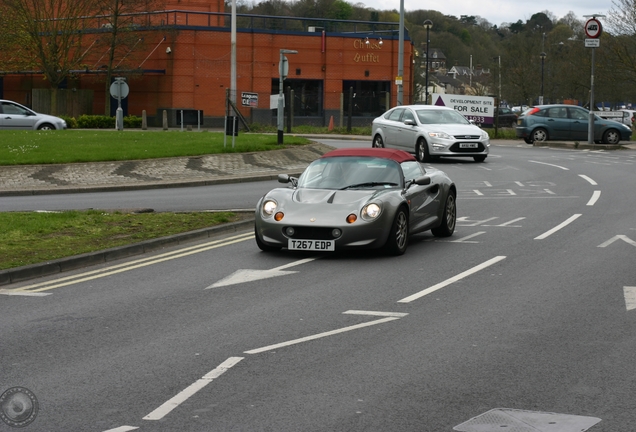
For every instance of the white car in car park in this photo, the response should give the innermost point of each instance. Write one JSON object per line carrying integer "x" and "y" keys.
{"x": 430, "y": 132}
{"x": 16, "y": 116}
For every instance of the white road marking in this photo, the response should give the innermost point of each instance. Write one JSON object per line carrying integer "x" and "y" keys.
{"x": 595, "y": 196}
{"x": 477, "y": 192}
{"x": 9, "y": 292}
{"x": 464, "y": 239}
{"x": 558, "y": 227}
{"x": 321, "y": 335}
{"x": 246, "y": 275}
{"x": 552, "y": 165}
{"x": 618, "y": 237}
{"x": 476, "y": 222}
{"x": 630, "y": 297}
{"x": 374, "y": 313}
{"x": 508, "y": 223}
{"x": 452, "y": 280}
{"x": 186, "y": 393}
{"x": 584, "y": 177}
{"x": 122, "y": 429}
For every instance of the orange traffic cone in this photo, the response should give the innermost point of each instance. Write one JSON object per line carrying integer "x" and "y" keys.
{"x": 331, "y": 124}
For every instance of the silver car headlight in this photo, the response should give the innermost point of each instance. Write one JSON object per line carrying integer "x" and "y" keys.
{"x": 371, "y": 211}
{"x": 441, "y": 135}
{"x": 269, "y": 207}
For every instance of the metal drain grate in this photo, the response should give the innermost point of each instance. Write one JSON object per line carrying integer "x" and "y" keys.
{"x": 512, "y": 420}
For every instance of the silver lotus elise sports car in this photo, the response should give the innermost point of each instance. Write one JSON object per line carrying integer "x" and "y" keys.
{"x": 357, "y": 198}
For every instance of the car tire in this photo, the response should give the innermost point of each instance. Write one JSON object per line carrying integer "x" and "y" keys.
{"x": 449, "y": 218}
{"x": 539, "y": 135}
{"x": 611, "y": 136}
{"x": 421, "y": 151}
{"x": 398, "y": 239}
{"x": 480, "y": 158}
{"x": 377, "y": 142}
{"x": 46, "y": 126}
{"x": 262, "y": 246}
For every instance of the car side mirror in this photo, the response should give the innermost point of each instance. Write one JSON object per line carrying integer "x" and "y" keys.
{"x": 286, "y": 178}
{"x": 410, "y": 122}
{"x": 422, "y": 181}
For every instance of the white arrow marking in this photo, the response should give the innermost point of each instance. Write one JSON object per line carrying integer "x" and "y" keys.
{"x": 122, "y": 429}
{"x": 630, "y": 297}
{"x": 246, "y": 275}
{"x": 618, "y": 237}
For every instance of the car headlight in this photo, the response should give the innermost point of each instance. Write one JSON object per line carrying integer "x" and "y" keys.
{"x": 484, "y": 134}
{"x": 371, "y": 211}
{"x": 269, "y": 207}
{"x": 442, "y": 135}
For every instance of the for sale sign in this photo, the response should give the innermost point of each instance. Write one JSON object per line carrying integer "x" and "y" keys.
{"x": 480, "y": 109}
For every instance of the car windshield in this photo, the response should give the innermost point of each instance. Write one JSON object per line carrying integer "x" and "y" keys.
{"x": 351, "y": 173}
{"x": 429, "y": 116}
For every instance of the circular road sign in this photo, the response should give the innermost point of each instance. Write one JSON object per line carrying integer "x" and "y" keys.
{"x": 593, "y": 28}
{"x": 119, "y": 89}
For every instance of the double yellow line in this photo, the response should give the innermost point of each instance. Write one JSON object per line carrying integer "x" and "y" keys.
{"x": 132, "y": 265}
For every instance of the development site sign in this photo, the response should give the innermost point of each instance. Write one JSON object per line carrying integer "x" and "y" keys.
{"x": 249, "y": 99}
{"x": 480, "y": 109}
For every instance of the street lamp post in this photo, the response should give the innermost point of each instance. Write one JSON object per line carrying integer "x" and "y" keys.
{"x": 282, "y": 72}
{"x": 427, "y": 24}
{"x": 543, "y": 56}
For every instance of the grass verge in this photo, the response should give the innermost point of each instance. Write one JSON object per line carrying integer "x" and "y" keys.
{"x": 69, "y": 146}
{"x": 33, "y": 237}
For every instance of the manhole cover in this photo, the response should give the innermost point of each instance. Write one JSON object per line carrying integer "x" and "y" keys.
{"x": 512, "y": 420}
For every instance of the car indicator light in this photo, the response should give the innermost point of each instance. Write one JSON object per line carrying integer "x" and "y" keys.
{"x": 351, "y": 218}
{"x": 279, "y": 216}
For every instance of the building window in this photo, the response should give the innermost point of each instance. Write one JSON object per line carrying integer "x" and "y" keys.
{"x": 370, "y": 98}
{"x": 308, "y": 96}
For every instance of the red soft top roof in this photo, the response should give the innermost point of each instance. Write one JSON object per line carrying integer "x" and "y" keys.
{"x": 396, "y": 155}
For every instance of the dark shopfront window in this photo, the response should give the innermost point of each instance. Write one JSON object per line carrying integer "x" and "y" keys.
{"x": 307, "y": 96}
{"x": 369, "y": 97}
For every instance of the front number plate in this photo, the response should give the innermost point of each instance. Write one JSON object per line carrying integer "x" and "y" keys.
{"x": 468, "y": 145}
{"x": 312, "y": 245}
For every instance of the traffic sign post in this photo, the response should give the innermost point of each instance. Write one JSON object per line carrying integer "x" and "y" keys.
{"x": 593, "y": 30}
{"x": 119, "y": 90}
{"x": 283, "y": 68}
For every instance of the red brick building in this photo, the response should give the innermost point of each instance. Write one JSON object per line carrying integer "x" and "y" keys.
{"x": 184, "y": 62}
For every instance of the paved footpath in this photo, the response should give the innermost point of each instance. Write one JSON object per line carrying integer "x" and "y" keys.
{"x": 156, "y": 173}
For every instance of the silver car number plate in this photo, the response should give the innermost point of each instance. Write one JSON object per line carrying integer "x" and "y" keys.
{"x": 468, "y": 145}
{"x": 312, "y": 245}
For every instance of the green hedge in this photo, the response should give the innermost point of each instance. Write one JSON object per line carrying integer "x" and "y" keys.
{"x": 100, "y": 122}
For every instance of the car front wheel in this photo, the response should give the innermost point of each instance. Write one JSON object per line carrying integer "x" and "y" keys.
{"x": 377, "y": 142}
{"x": 447, "y": 227}
{"x": 399, "y": 235}
{"x": 539, "y": 135}
{"x": 46, "y": 126}
{"x": 611, "y": 137}
{"x": 421, "y": 151}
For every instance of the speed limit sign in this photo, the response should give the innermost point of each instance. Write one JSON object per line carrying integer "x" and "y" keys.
{"x": 593, "y": 28}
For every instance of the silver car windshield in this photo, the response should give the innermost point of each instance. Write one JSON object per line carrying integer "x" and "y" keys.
{"x": 430, "y": 116}
{"x": 351, "y": 173}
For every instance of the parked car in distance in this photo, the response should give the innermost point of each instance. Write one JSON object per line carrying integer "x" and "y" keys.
{"x": 629, "y": 118}
{"x": 430, "y": 132}
{"x": 357, "y": 198}
{"x": 507, "y": 117}
{"x": 567, "y": 122}
{"x": 16, "y": 116}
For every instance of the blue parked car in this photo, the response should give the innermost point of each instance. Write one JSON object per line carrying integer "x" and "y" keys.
{"x": 567, "y": 122}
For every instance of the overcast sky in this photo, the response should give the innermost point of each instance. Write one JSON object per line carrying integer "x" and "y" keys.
{"x": 499, "y": 11}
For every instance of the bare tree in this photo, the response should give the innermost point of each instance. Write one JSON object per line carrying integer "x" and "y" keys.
{"x": 50, "y": 33}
